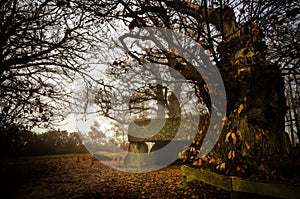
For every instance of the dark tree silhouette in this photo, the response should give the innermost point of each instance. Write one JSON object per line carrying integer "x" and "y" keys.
{"x": 42, "y": 47}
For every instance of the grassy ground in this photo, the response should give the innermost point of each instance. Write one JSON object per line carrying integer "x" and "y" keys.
{"x": 22, "y": 158}
{"x": 82, "y": 176}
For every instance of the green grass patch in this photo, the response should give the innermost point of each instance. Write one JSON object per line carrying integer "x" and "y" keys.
{"x": 39, "y": 157}
{"x": 111, "y": 155}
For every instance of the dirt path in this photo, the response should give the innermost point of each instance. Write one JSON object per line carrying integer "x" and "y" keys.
{"x": 84, "y": 178}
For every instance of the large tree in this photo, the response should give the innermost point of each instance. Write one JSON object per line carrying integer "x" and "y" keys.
{"x": 244, "y": 39}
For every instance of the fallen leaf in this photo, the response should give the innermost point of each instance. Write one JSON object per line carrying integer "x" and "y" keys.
{"x": 257, "y": 137}
{"x": 247, "y": 145}
{"x": 222, "y": 166}
{"x": 228, "y": 135}
{"x": 240, "y": 108}
{"x": 205, "y": 159}
{"x": 239, "y": 133}
{"x": 244, "y": 153}
{"x": 231, "y": 155}
{"x": 233, "y": 136}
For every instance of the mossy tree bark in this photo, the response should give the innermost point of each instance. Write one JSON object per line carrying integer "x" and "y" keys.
{"x": 253, "y": 141}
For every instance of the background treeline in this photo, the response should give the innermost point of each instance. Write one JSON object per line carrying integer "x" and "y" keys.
{"x": 15, "y": 142}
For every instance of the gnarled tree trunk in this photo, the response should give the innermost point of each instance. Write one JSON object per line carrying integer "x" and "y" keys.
{"x": 253, "y": 141}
